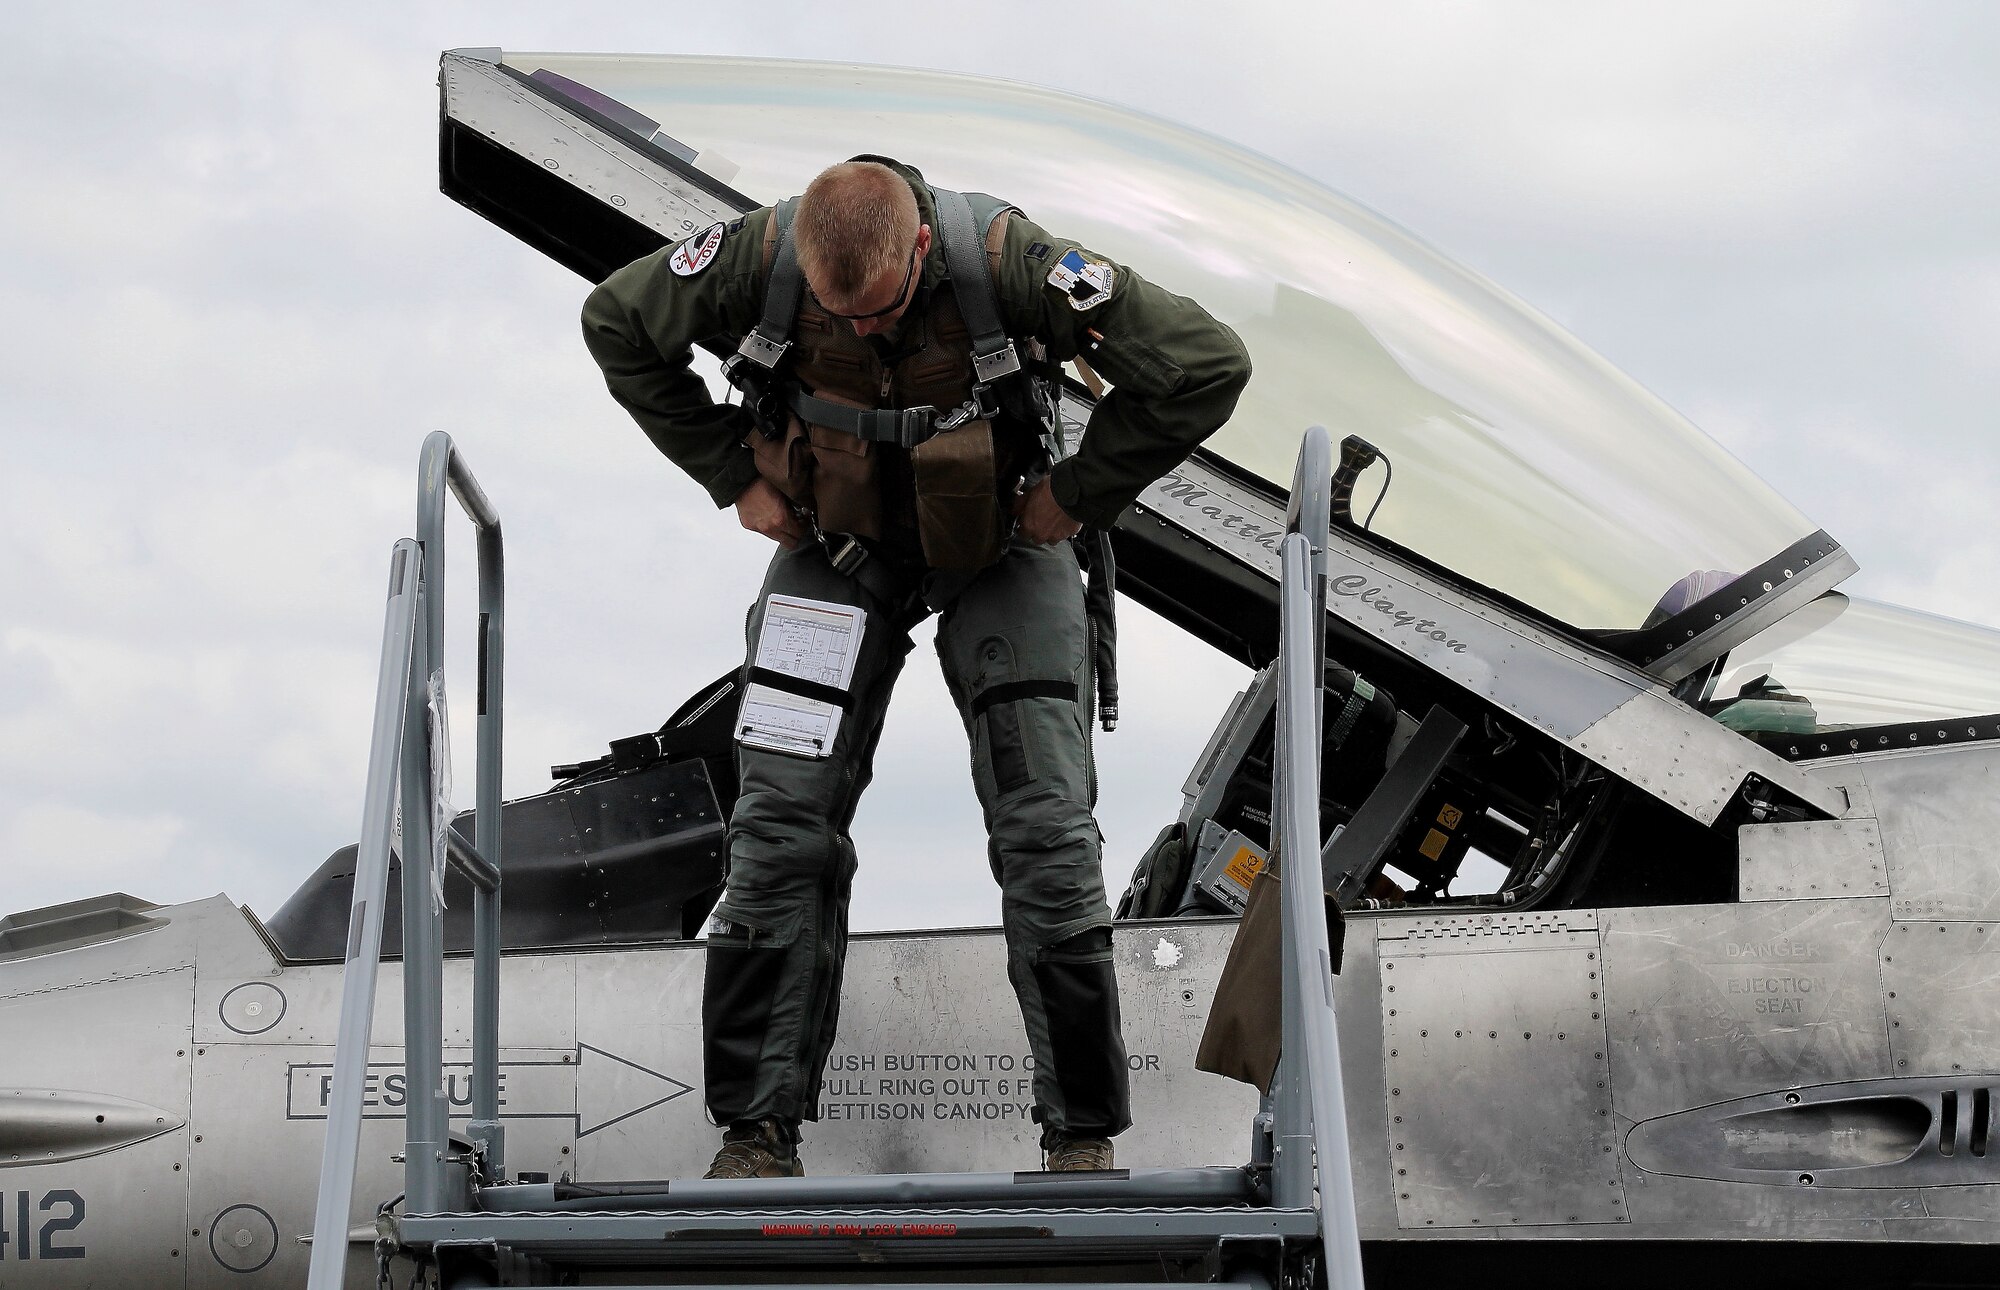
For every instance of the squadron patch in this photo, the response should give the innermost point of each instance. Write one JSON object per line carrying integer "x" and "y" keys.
{"x": 1085, "y": 282}
{"x": 695, "y": 254}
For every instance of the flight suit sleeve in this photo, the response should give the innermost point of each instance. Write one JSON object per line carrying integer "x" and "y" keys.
{"x": 640, "y": 326}
{"x": 1176, "y": 372}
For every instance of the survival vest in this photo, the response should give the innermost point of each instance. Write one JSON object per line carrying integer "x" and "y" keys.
{"x": 970, "y": 413}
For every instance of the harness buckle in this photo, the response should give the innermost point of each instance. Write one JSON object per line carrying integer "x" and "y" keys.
{"x": 958, "y": 416}
{"x": 761, "y": 350}
{"x": 914, "y": 425}
{"x": 984, "y": 405}
{"x": 1004, "y": 361}
{"x": 843, "y": 551}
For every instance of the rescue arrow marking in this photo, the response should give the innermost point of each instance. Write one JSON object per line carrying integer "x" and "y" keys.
{"x": 619, "y": 1075}
{"x": 616, "y": 1089}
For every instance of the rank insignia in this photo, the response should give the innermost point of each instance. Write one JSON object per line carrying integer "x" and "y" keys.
{"x": 1085, "y": 282}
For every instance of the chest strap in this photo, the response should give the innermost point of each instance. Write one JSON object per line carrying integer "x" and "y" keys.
{"x": 906, "y": 426}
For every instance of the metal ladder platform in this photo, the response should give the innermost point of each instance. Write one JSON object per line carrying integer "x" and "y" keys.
{"x": 1286, "y": 1219}
{"x": 944, "y": 1226}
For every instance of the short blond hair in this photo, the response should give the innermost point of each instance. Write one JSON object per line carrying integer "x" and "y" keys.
{"x": 856, "y": 222}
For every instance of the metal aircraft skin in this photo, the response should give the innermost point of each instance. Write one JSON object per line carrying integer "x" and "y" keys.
{"x": 1734, "y": 1005}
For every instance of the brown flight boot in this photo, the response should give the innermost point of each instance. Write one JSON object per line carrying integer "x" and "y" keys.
{"x": 757, "y": 1149}
{"x": 1064, "y": 1154}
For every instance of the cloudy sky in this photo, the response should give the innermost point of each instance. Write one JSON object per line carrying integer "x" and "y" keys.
{"x": 232, "y": 303}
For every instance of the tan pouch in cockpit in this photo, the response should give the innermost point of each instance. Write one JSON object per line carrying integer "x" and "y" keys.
{"x": 958, "y": 501}
{"x": 1246, "y": 1016}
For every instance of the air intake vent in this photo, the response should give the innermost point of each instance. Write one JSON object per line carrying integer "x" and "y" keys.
{"x": 1869, "y": 1133}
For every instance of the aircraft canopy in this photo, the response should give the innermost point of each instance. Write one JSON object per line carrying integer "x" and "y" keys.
{"x": 1522, "y": 462}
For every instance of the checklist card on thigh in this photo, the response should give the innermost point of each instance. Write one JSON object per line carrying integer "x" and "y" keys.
{"x": 799, "y": 677}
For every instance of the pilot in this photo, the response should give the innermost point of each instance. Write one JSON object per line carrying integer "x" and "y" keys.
{"x": 897, "y": 352}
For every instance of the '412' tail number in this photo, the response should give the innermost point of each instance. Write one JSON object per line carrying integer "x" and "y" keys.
{"x": 23, "y": 1241}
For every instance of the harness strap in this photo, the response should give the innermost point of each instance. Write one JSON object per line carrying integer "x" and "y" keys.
{"x": 993, "y": 352}
{"x": 906, "y": 426}
{"x": 771, "y": 339}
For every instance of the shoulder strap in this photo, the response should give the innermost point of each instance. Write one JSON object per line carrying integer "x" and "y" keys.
{"x": 993, "y": 353}
{"x": 770, "y": 340}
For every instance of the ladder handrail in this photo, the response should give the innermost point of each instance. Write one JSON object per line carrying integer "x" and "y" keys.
{"x": 1309, "y": 1107}
{"x": 403, "y": 753}
{"x": 364, "y": 924}
{"x": 443, "y": 468}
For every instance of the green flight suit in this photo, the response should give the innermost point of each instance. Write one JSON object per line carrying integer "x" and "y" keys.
{"x": 1013, "y": 642}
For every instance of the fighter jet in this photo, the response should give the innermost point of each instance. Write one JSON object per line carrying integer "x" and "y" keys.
{"x": 1725, "y": 999}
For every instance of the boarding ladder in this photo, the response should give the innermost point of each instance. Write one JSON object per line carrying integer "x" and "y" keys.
{"x": 1285, "y": 1221}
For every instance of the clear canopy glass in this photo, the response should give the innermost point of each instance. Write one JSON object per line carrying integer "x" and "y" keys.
{"x": 1521, "y": 460}
{"x": 1841, "y": 663}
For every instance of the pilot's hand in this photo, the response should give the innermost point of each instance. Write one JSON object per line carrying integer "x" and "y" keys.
{"x": 763, "y": 509}
{"x": 1043, "y": 521}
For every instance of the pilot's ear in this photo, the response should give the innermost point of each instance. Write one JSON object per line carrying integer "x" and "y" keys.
{"x": 923, "y": 240}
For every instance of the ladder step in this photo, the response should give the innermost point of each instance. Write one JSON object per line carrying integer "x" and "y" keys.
{"x": 906, "y": 1285}
{"x": 1141, "y": 1187}
{"x": 687, "y": 1240}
